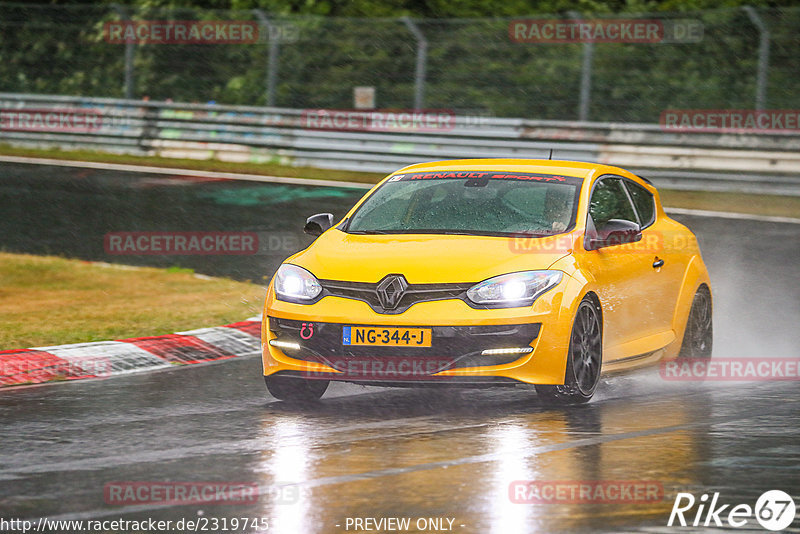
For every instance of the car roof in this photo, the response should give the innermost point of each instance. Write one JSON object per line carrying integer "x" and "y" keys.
{"x": 577, "y": 169}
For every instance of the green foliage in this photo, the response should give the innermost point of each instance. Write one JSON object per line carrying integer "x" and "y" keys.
{"x": 438, "y": 8}
{"x": 472, "y": 64}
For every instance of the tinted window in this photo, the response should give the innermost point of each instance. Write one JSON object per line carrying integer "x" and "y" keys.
{"x": 491, "y": 206}
{"x": 609, "y": 201}
{"x": 644, "y": 202}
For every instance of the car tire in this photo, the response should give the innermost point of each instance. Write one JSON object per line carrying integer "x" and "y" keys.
{"x": 295, "y": 389}
{"x": 699, "y": 334}
{"x": 584, "y": 359}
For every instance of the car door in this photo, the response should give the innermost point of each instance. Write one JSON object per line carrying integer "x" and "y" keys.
{"x": 620, "y": 271}
{"x": 662, "y": 247}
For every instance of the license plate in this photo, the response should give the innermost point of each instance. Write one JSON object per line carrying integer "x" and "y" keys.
{"x": 373, "y": 336}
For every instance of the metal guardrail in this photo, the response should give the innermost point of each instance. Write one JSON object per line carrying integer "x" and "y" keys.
{"x": 755, "y": 162}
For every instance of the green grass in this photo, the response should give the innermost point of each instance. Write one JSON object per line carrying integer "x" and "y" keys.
{"x": 52, "y": 301}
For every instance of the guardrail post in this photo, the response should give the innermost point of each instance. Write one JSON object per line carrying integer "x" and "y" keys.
{"x": 150, "y": 129}
{"x": 763, "y": 56}
{"x": 585, "y": 97}
{"x": 422, "y": 58}
{"x": 274, "y": 49}
{"x": 130, "y": 52}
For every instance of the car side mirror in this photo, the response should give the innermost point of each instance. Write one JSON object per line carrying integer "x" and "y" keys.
{"x": 316, "y": 224}
{"x": 614, "y": 232}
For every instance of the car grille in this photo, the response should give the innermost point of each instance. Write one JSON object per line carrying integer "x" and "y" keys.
{"x": 412, "y": 293}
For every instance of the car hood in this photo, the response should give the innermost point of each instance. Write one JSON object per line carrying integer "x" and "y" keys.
{"x": 427, "y": 259}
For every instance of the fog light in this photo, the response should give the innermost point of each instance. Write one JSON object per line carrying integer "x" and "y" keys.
{"x": 513, "y": 350}
{"x": 284, "y": 344}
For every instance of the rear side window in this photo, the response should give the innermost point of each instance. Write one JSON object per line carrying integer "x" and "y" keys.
{"x": 644, "y": 201}
{"x": 609, "y": 201}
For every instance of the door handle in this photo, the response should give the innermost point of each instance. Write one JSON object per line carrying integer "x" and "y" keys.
{"x": 658, "y": 263}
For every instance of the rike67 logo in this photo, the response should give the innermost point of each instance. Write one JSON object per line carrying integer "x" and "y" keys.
{"x": 774, "y": 510}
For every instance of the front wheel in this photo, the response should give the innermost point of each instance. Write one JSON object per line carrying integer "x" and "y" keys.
{"x": 292, "y": 389}
{"x": 584, "y": 359}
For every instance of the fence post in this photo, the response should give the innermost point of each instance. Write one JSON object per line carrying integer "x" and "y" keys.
{"x": 585, "y": 97}
{"x": 130, "y": 52}
{"x": 422, "y": 58}
{"x": 272, "y": 66}
{"x": 763, "y": 56}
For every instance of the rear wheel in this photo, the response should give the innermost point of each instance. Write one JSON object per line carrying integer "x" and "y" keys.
{"x": 699, "y": 334}
{"x": 287, "y": 388}
{"x": 584, "y": 359}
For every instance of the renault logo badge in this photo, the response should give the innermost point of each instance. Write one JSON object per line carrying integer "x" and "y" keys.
{"x": 391, "y": 290}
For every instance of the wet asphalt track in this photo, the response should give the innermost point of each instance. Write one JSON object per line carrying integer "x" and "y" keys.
{"x": 367, "y": 452}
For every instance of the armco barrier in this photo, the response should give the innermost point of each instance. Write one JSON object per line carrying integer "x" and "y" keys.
{"x": 105, "y": 359}
{"x": 755, "y": 162}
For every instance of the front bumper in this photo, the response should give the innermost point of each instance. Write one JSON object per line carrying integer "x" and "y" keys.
{"x": 452, "y": 347}
{"x": 460, "y": 335}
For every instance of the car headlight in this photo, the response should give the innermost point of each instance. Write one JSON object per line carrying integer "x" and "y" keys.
{"x": 295, "y": 284}
{"x": 514, "y": 289}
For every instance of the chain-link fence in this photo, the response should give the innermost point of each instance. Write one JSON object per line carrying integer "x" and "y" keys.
{"x": 739, "y": 59}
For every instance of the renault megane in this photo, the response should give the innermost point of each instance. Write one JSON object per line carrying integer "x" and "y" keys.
{"x": 488, "y": 272}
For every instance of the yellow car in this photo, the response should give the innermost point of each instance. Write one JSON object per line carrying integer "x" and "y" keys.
{"x": 488, "y": 272}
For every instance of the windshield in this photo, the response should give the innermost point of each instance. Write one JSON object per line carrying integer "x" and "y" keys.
{"x": 481, "y": 203}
